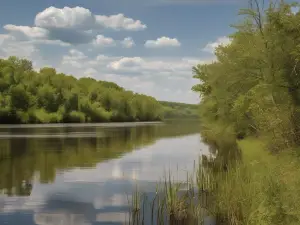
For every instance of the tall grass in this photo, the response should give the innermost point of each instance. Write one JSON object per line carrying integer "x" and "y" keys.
{"x": 173, "y": 203}
{"x": 263, "y": 189}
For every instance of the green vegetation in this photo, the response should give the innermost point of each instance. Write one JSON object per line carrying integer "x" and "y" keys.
{"x": 176, "y": 110}
{"x": 253, "y": 87}
{"x": 172, "y": 204}
{"x": 252, "y": 92}
{"x": 263, "y": 189}
{"x": 27, "y": 96}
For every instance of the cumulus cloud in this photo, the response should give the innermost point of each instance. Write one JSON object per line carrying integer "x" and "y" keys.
{"x": 10, "y": 46}
{"x": 27, "y": 32}
{"x": 68, "y": 25}
{"x": 127, "y": 64}
{"x": 127, "y": 42}
{"x": 74, "y": 58}
{"x": 163, "y": 66}
{"x": 162, "y": 42}
{"x": 35, "y": 35}
{"x": 210, "y": 47}
{"x": 77, "y": 17}
{"x": 82, "y": 18}
{"x": 102, "y": 41}
{"x": 119, "y": 22}
{"x": 76, "y": 25}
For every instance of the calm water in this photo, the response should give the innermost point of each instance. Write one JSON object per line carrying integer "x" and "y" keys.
{"x": 86, "y": 174}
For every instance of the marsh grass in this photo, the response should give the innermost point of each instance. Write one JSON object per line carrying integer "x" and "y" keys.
{"x": 264, "y": 189}
{"x": 173, "y": 203}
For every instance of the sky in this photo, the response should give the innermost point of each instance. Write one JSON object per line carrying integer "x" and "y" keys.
{"x": 148, "y": 47}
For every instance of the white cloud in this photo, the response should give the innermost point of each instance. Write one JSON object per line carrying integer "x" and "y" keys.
{"x": 102, "y": 41}
{"x": 119, "y": 21}
{"x": 68, "y": 25}
{"x": 5, "y": 37}
{"x": 51, "y": 42}
{"x": 9, "y": 46}
{"x": 90, "y": 72}
{"x": 74, "y": 58}
{"x": 33, "y": 35}
{"x": 82, "y": 18}
{"x": 19, "y": 49}
{"x": 77, "y": 17}
{"x": 162, "y": 42}
{"x": 27, "y": 32}
{"x": 127, "y": 42}
{"x": 163, "y": 66}
{"x": 211, "y": 47}
{"x": 29, "y": 49}
{"x": 100, "y": 60}
{"x": 127, "y": 64}
{"x": 77, "y": 54}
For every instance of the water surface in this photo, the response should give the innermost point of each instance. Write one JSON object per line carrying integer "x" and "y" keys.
{"x": 85, "y": 174}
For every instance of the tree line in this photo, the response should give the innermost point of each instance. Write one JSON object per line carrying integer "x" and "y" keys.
{"x": 253, "y": 86}
{"x": 177, "y": 110}
{"x": 45, "y": 96}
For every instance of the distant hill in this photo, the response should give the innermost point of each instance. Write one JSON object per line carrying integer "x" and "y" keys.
{"x": 179, "y": 110}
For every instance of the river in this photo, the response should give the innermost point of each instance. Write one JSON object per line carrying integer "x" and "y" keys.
{"x": 85, "y": 174}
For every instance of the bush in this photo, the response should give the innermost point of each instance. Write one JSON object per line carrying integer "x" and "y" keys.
{"x": 75, "y": 117}
{"x": 42, "y": 116}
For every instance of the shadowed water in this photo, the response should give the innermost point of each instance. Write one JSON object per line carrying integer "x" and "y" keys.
{"x": 51, "y": 175}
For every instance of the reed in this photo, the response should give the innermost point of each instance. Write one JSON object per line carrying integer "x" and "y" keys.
{"x": 263, "y": 189}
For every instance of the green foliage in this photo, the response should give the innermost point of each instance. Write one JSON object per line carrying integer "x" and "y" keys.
{"x": 253, "y": 86}
{"x": 76, "y": 117}
{"x": 27, "y": 96}
{"x": 260, "y": 190}
{"x": 42, "y": 116}
{"x": 174, "y": 110}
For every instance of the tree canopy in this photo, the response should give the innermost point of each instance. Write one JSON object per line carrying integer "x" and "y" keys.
{"x": 253, "y": 87}
{"x": 177, "y": 110}
{"x": 28, "y": 96}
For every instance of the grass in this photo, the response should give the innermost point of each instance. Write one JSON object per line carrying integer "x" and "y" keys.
{"x": 174, "y": 203}
{"x": 263, "y": 189}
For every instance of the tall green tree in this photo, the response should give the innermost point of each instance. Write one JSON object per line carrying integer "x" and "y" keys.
{"x": 253, "y": 85}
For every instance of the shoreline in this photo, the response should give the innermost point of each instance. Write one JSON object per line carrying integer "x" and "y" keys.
{"x": 106, "y": 124}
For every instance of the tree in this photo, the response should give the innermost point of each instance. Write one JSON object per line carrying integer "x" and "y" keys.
{"x": 49, "y": 97}
{"x": 253, "y": 85}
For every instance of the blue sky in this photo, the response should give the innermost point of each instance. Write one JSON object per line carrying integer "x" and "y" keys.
{"x": 145, "y": 46}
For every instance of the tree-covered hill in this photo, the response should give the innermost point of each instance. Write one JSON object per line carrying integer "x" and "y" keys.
{"x": 28, "y": 96}
{"x": 179, "y": 110}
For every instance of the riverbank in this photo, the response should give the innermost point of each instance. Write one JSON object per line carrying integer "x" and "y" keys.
{"x": 111, "y": 124}
{"x": 261, "y": 189}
